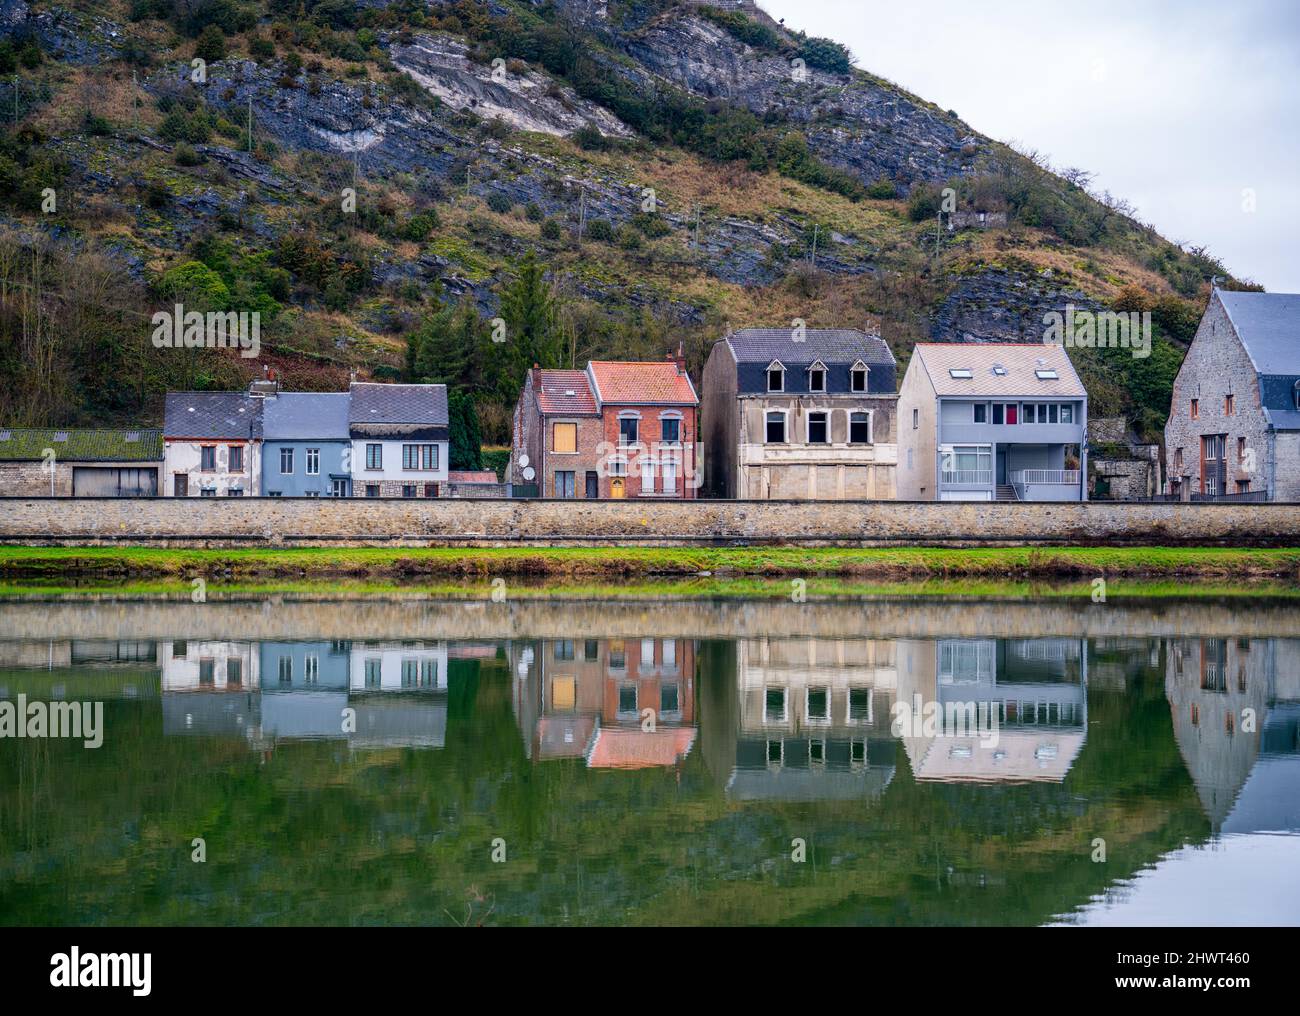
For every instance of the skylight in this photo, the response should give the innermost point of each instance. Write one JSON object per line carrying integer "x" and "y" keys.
{"x": 1047, "y": 375}
{"x": 999, "y": 370}
{"x": 962, "y": 373}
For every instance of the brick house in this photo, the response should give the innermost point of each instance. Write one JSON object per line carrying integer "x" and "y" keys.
{"x": 650, "y": 415}
{"x": 557, "y": 434}
{"x": 1234, "y": 421}
{"x": 800, "y": 415}
{"x": 616, "y": 429}
{"x": 81, "y": 463}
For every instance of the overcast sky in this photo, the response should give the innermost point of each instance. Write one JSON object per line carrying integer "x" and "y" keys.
{"x": 1179, "y": 106}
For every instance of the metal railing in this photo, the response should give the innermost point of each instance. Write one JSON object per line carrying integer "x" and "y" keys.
{"x": 1032, "y": 476}
{"x": 967, "y": 476}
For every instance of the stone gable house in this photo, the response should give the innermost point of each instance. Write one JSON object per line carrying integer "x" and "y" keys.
{"x": 800, "y": 415}
{"x": 80, "y": 463}
{"x": 1234, "y": 419}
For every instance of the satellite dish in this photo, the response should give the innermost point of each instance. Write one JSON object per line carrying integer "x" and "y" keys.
{"x": 523, "y": 461}
{"x": 529, "y": 472}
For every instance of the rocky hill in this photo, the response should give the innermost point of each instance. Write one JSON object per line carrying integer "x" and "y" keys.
{"x": 607, "y": 178}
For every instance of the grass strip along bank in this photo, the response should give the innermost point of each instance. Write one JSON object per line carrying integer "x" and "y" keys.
{"x": 606, "y": 563}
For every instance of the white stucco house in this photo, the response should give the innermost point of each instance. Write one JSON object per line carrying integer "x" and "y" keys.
{"x": 400, "y": 439}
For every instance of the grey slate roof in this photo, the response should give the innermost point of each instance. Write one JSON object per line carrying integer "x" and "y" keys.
{"x": 306, "y": 416}
{"x": 418, "y": 405}
{"x": 830, "y": 345}
{"x": 1269, "y": 327}
{"x": 212, "y": 415}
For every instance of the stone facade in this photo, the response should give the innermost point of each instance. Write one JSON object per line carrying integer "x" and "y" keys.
{"x": 1218, "y": 366}
{"x": 233, "y": 522}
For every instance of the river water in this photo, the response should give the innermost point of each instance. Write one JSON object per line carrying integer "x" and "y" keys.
{"x": 972, "y": 762}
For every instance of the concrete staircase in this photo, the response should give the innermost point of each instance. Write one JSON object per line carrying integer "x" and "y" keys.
{"x": 1006, "y": 492}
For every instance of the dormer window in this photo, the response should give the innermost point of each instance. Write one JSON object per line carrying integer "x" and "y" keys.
{"x": 858, "y": 378}
{"x": 817, "y": 377}
{"x": 776, "y": 376}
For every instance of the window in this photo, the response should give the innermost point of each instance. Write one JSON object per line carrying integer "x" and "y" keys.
{"x": 999, "y": 414}
{"x": 563, "y": 649}
{"x": 617, "y": 655}
{"x": 776, "y": 378}
{"x": 408, "y": 490}
{"x": 286, "y": 670}
{"x": 338, "y": 488}
{"x": 776, "y": 428}
{"x": 1011, "y": 414}
{"x": 410, "y": 673}
{"x": 670, "y": 654}
{"x": 234, "y": 673}
{"x": 593, "y": 484}
{"x": 1047, "y": 375}
{"x": 1196, "y": 409}
{"x": 647, "y": 475}
{"x": 374, "y": 671}
{"x": 981, "y": 414}
{"x": 817, "y": 379}
{"x": 627, "y": 698}
{"x": 818, "y": 704}
{"x": 1241, "y": 449}
{"x": 1213, "y": 464}
{"x": 669, "y": 471}
{"x": 564, "y": 438}
{"x": 1053, "y": 413}
{"x": 628, "y": 428}
{"x": 858, "y": 379}
{"x": 961, "y": 373}
{"x": 916, "y": 419}
{"x": 669, "y": 699}
{"x": 207, "y": 672}
{"x": 180, "y": 649}
{"x": 237, "y": 458}
{"x": 564, "y": 483}
{"x": 235, "y": 492}
{"x": 774, "y": 705}
{"x": 647, "y": 653}
{"x": 372, "y": 490}
{"x": 430, "y": 490}
{"x": 860, "y": 428}
{"x": 208, "y": 492}
{"x": 286, "y": 461}
{"x": 313, "y": 462}
{"x": 208, "y": 458}
{"x": 775, "y": 752}
{"x": 374, "y": 456}
{"x": 817, "y": 752}
{"x": 429, "y": 673}
{"x": 1178, "y": 459}
{"x": 817, "y": 429}
{"x": 1295, "y": 394}
{"x": 671, "y": 430}
{"x": 311, "y": 669}
{"x": 1067, "y": 413}
{"x": 419, "y": 457}
{"x": 859, "y": 705}
{"x": 1229, "y": 405}
{"x": 590, "y": 650}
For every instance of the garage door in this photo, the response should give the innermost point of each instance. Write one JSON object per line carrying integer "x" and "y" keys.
{"x": 114, "y": 481}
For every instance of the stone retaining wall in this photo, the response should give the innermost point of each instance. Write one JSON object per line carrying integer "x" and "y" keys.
{"x": 231, "y": 522}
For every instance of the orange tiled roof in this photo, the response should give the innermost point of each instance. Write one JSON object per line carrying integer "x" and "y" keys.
{"x": 617, "y": 748}
{"x": 564, "y": 391}
{"x": 653, "y": 382}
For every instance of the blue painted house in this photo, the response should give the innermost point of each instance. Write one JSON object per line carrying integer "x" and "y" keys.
{"x": 306, "y": 447}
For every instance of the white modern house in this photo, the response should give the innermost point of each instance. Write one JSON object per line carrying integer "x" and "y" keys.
{"x": 400, "y": 439}
{"x": 986, "y": 422}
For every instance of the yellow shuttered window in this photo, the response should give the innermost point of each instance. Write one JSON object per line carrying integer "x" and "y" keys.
{"x": 565, "y": 437}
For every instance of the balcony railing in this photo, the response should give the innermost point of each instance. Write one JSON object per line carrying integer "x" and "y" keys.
{"x": 967, "y": 477}
{"x": 1029, "y": 477}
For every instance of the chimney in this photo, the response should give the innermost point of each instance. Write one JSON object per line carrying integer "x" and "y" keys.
{"x": 679, "y": 359}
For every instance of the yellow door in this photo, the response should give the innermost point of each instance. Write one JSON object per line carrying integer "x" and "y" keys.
{"x": 616, "y": 487}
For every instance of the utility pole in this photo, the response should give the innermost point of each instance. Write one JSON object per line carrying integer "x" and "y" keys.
{"x": 938, "y": 234}
{"x": 250, "y": 124}
{"x": 697, "y": 227}
{"x": 816, "y": 230}
{"x": 15, "y": 100}
{"x": 135, "y": 102}
{"x": 582, "y": 211}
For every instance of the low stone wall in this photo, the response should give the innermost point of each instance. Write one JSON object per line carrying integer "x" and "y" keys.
{"x": 232, "y": 522}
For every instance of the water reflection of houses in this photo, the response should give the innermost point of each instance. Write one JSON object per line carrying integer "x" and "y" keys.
{"x": 372, "y": 694}
{"x": 1235, "y": 705}
{"x": 1036, "y": 688}
{"x": 814, "y": 718}
{"x": 617, "y": 703}
{"x": 78, "y": 669}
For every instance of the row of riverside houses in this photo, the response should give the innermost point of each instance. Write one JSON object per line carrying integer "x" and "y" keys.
{"x": 781, "y": 414}
{"x": 374, "y": 440}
